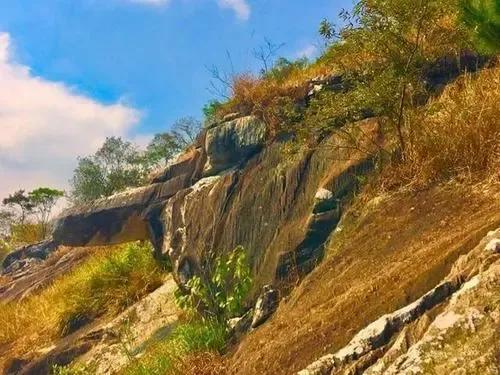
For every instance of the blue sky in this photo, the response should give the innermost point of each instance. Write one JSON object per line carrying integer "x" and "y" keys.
{"x": 137, "y": 65}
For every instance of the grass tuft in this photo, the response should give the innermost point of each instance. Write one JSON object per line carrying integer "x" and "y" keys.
{"x": 175, "y": 355}
{"x": 106, "y": 284}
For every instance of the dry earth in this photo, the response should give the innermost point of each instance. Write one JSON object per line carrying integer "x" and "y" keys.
{"x": 400, "y": 248}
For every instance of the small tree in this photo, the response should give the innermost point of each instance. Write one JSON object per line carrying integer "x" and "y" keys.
{"x": 184, "y": 132}
{"x": 44, "y": 199}
{"x": 161, "y": 149}
{"x": 21, "y": 201}
{"x": 482, "y": 17}
{"x": 222, "y": 295}
{"x": 117, "y": 165}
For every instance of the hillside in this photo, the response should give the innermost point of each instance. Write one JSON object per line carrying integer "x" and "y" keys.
{"x": 334, "y": 217}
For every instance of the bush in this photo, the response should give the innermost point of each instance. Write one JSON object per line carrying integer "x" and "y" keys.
{"x": 263, "y": 99}
{"x": 169, "y": 356}
{"x": 222, "y": 295}
{"x": 106, "y": 284}
{"x": 456, "y": 134}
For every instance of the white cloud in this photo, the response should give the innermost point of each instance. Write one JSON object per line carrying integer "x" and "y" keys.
{"x": 309, "y": 51}
{"x": 240, "y": 7}
{"x": 150, "y": 2}
{"x": 45, "y": 125}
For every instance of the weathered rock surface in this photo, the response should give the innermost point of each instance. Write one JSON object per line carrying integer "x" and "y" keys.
{"x": 232, "y": 142}
{"x": 254, "y": 196}
{"x": 266, "y": 305}
{"x": 27, "y": 255}
{"x": 105, "y": 348}
{"x": 18, "y": 283}
{"x": 475, "y": 273}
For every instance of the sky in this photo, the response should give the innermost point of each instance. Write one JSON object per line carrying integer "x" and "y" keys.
{"x": 73, "y": 72}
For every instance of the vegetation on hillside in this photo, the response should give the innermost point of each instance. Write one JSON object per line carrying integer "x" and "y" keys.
{"x": 483, "y": 19}
{"x": 222, "y": 294}
{"x": 107, "y": 283}
{"x": 25, "y": 217}
{"x": 120, "y": 164}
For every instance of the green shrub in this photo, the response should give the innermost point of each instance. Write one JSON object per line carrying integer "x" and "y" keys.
{"x": 222, "y": 295}
{"x": 107, "y": 283}
{"x": 167, "y": 357}
{"x": 482, "y": 17}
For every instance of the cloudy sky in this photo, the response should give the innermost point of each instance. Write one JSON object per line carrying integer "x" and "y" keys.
{"x": 75, "y": 71}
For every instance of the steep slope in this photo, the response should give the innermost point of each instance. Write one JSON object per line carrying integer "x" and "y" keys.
{"x": 229, "y": 190}
{"x": 398, "y": 249}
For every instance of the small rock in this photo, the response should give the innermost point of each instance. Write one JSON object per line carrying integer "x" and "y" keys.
{"x": 265, "y": 306}
{"x": 238, "y": 326}
{"x": 493, "y": 246}
{"x": 323, "y": 194}
{"x": 231, "y": 116}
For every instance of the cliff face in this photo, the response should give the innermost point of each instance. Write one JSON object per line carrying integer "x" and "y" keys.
{"x": 232, "y": 189}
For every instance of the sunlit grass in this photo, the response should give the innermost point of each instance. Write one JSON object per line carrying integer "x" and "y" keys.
{"x": 105, "y": 284}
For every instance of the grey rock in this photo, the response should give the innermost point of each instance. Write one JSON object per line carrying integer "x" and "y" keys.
{"x": 233, "y": 142}
{"x": 265, "y": 306}
{"x": 22, "y": 256}
{"x": 240, "y": 325}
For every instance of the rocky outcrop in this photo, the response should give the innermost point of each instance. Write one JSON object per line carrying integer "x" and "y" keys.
{"x": 265, "y": 306}
{"x": 233, "y": 142}
{"x": 27, "y": 256}
{"x": 480, "y": 269}
{"x": 231, "y": 189}
{"x": 27, "y": 276}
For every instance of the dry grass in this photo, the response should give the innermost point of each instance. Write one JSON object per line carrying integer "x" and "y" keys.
{"x": 273, "y": 98}
{"x": 192, "y": 348}
{"x": 106, "y": 283}
{"x": 457, "y": 135}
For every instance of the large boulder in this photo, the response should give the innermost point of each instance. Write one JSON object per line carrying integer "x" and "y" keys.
{"x": 27, "y": 255}
{"x": 233, "y": 142}
{"x": 258, "y": 197}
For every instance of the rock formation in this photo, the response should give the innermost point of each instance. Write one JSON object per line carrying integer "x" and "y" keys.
{"x": 231, "y": 188}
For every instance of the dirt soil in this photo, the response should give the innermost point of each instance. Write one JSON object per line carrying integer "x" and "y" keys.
{"x": 396, "y": 250}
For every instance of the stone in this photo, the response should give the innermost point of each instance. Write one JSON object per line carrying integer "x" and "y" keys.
{"x": 493, "y": 246}
{"x": 231, "y": 116}
{"x": 240, "y": 325}
{"x": 232, "y": 143}
{"x": 265, "y": 306}
{"x": 38, "y": 251}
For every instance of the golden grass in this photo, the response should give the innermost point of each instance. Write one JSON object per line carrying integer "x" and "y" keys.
{"x": 106, "y": 284}
{"x": 456, "y": 136}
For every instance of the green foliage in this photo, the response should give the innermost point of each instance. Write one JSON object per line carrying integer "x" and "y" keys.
{"x": 283, "y": 68}
{"x": 116, "y": 166}
{"x": 22, "y": 201}
{"x": 383, "y": 53}
{"x": 44, "y": 199}
{"x": 210, "y": 110}
{"x": 326, "y": 30}
{"x": 5, "y": 249}
{"x": 40, "y": 203}
{"x": 70, "y": 370}
{"x": 167, "y": 357}
{"x": 161, "y": 149}
{"x": 117, "y": 281}
{"x": 482, "y": 17}
{"x": 222, "y": 295}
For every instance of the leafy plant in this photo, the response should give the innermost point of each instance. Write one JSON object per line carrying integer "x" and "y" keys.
{"x": 111, "y": 280}
{"x": 44, "y": 199}
{"x": 222, "y": 295}
{"x": 482, "y": 17}
{"x": 169, "y": 356}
